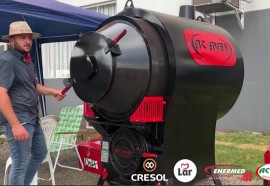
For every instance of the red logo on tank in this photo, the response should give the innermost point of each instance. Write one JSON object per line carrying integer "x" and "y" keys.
{"x": 210, "y": 49}
{"x": 122, "y": 152}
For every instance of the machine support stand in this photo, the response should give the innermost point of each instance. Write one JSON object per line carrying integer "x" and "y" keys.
{"x": 102, "y": 178}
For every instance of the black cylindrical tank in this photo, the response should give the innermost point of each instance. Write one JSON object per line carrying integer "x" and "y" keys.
{"x": 153, "y": 54}
{"x": 196, "y": 67}
{"x": 118, "y": 83}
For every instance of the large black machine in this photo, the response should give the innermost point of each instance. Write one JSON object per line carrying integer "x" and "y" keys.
{"x": 153, "y": 86}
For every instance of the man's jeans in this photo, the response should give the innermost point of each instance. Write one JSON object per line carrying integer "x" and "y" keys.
{"x": 26, "y": 155}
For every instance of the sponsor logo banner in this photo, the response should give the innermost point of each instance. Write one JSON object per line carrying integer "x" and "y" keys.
{"x": 149, "y": 165}
{"x": 228, "y": 171}
{"x": 185, "y": 170}
{"x": 263, "y": 171}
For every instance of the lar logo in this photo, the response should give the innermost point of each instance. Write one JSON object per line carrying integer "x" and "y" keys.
{"x": 185, "y": 170}
{"x": 149, "y": 165}
{"x": 264, "y": 171}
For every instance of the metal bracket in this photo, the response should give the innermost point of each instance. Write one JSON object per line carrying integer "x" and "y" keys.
{"x": 128, "y": 4}
{"x": 239, "y": 12}
{"x": 209, "y": 18}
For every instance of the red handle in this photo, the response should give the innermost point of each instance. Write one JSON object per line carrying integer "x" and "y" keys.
{"x": 119, "y": 36}
{"x": 64, "y": 91}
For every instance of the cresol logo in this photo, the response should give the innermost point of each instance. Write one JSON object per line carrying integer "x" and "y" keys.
{"x": 211, "y": 49}
{"x": 264, "y": 171}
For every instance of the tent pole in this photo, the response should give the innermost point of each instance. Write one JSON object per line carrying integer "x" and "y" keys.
{"x": 40, "y": 76}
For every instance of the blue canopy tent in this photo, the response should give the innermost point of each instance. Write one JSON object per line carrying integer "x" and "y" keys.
{"x": 55, "y": 21}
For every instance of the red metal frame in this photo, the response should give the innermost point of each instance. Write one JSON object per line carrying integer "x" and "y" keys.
{"x": 267, "y": 158}
{"x": 90, "y": 152}
{"x": 150, "y": 110}
{"x": 87, "y": 110}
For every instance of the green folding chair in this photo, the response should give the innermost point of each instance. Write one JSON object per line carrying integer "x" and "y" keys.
{"x": 65, "y": 135}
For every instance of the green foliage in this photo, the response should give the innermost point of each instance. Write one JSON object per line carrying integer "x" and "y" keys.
{"x": 243, "y": 149}
{"x": 244, "y": 138}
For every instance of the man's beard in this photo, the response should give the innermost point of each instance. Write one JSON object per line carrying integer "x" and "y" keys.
{"x": 22, "y": 49}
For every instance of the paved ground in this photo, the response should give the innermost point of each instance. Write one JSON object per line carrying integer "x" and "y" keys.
{"x": 65, "y": 176}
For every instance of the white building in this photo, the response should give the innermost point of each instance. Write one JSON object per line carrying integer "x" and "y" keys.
{"x": 112, "y": 7}
{"x": 169, "y": 7}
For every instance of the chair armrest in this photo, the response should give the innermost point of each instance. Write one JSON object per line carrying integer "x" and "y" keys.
{"x": 81, "y": 131}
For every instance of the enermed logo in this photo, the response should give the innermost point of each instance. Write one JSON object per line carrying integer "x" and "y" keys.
{"x": 228, "y": 171}
{"x": 185, "y": 170}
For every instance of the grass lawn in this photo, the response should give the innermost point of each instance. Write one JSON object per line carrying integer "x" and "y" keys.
{"x": 243, "y": 149}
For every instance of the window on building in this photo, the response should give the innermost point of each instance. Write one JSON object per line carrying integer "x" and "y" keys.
{"x": 3, "y": 47}
{"x": 108, "y": 8}
{"x": 56, "y": 59}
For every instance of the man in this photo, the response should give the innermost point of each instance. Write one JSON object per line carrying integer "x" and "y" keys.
{"x": 19, "y": 90}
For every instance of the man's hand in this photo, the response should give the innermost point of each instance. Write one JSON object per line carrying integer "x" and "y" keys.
{"x": 42, "y": 90}
{"x": 58, "y": 95}
{"x": 20, "y": 133}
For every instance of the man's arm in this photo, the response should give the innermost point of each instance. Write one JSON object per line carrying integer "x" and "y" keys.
{"x": 42, "y": 90}
{"x": 19, "y": 132}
